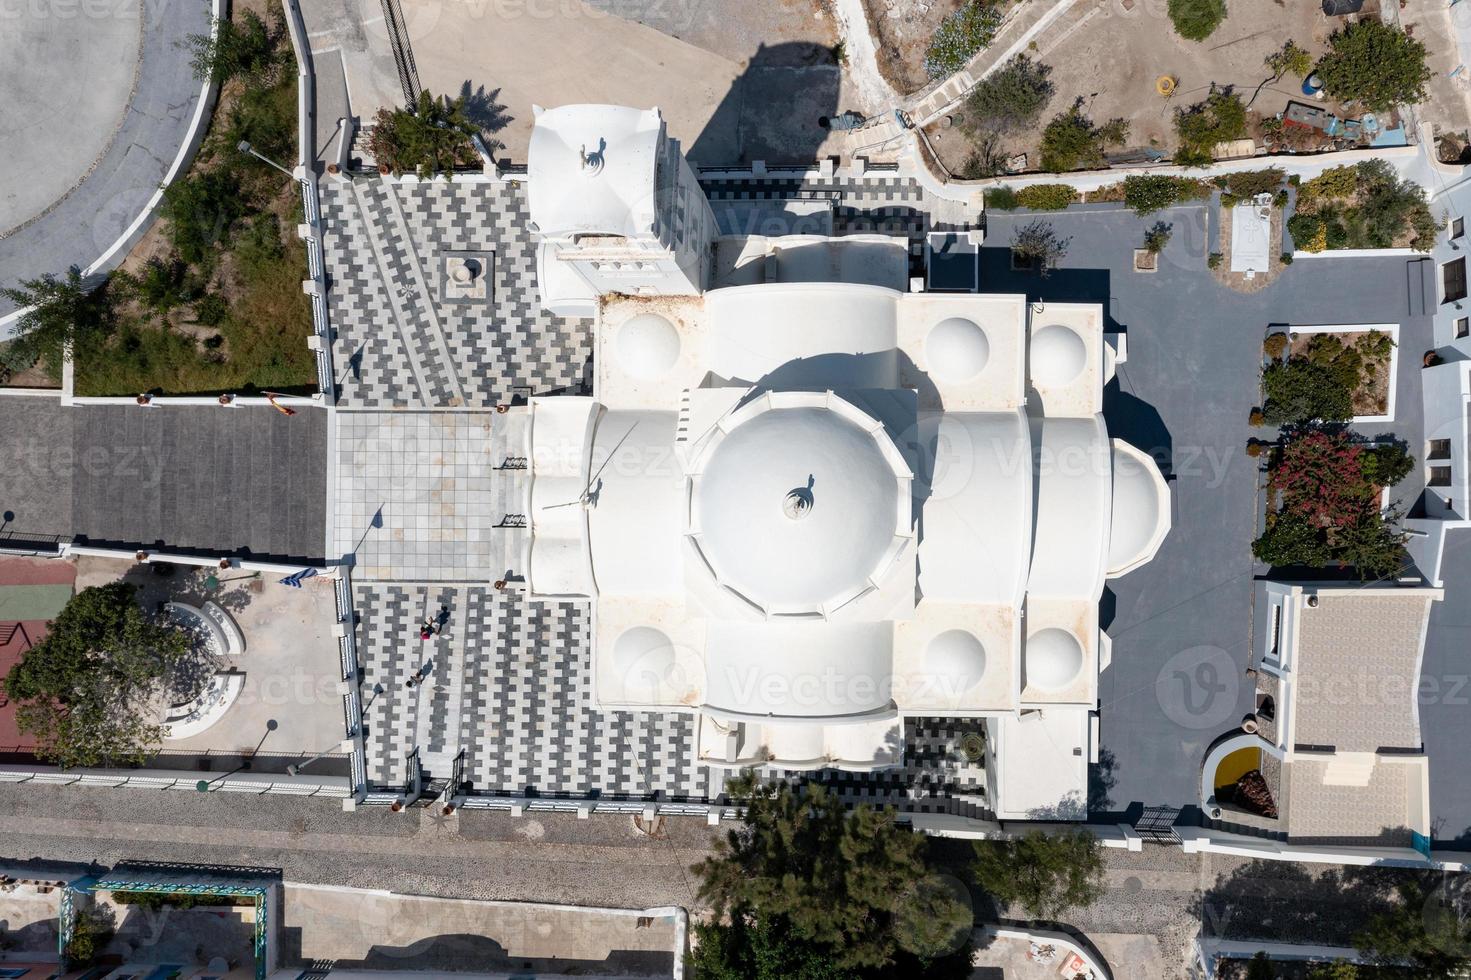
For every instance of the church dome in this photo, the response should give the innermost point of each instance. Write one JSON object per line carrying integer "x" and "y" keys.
{"x": 800, "y": 502}
{"x": 1054, "y": 659}
{"x": 1058, "y": 355}
{"x": 956, "y": 349}
{"x": 647, "y": 346}
{"x": 958, "y": 657}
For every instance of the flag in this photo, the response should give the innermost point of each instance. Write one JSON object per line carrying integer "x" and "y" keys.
{"x": 295, "y": 580}
{"x": 271, "y": 397}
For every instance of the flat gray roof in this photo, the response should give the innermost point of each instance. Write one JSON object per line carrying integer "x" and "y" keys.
{"x": 248, "y": 482}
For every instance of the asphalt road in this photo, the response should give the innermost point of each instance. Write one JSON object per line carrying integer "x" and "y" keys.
{"x": 84, "y": 223}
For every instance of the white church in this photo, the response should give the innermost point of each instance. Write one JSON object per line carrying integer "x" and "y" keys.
{"x": 808, "y": 498}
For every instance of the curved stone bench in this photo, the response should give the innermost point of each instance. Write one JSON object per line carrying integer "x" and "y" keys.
{"x": 193, "y": 717}
{"x": 193, "y": 618}
{"x": 234, "y": 640}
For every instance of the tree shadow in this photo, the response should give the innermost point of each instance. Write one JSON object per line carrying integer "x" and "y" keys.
{"x": 1284, "y": 901}
{"x": 486, "y": 111}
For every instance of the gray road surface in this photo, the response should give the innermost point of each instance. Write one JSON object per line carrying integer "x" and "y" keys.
{"x": 79, "y": 228}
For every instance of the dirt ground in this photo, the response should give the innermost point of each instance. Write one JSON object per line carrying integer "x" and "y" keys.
{"x": 904, "y": 29}
{"x": 1112, "y": 60}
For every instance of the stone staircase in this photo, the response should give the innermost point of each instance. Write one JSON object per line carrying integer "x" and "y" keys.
{"x": 1043, "y": 23}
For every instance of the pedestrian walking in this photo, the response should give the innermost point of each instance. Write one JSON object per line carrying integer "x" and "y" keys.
{"x": 426, "y": 629}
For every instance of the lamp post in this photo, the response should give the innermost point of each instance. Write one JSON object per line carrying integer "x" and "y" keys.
{"x": 244, "y": 147}
{"x": 204, "y": 784}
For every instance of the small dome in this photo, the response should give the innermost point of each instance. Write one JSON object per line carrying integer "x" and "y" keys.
{"x": 1141, "y": 509}
{"x": 1054, "y": 659}
{"x": 644, "y": 656}
{"x": 956, "y": 349}
{"x": 647, "y": 345}
{"x": 957, "y": 655}
{"x": 1058, "y": 355}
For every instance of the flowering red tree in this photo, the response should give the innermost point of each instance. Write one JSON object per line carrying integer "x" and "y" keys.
{"x": 1320, "y": 478}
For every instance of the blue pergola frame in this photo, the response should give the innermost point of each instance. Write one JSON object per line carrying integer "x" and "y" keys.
{"x": 89, "y": 886}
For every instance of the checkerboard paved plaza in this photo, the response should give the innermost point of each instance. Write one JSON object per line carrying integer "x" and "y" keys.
{"x": 507, "y": 681}
{"x": 399, "y": 341}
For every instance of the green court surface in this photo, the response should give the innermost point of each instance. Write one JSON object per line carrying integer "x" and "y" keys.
{"x": 19, "y": 603}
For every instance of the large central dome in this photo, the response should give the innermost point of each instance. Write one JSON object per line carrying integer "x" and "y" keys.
{"x": 801, "y": 502}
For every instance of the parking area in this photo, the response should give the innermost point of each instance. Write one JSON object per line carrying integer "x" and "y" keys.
{"x": 1182, "y": 625}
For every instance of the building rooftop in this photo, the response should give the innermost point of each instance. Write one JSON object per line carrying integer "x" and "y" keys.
{"x": 1358, "y": 662}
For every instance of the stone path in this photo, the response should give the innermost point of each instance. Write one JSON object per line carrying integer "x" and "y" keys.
{"x": 1043, "y": 23}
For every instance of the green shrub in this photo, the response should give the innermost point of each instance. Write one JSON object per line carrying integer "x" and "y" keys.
{"x": 1376, "y": 64}
{"x": 1275, "y": 346}
{"x": 1219, "y": 119}
{"x": 1215, "y": 260}
{"x": 1387, "y": 463}
{"x": 1071, "y": 141}
{"x": 1148, "y": 193}
{"x": 1157, "y": 237}
{"x": 1285, "y": 258}
{"x": 1333, "y": 182}
{"x": 1250, "y": 183}
{"x": 1000, "y": 198}
{"x": 1008, "y": 99}
{"x": 201, "y": 211}
{"x": 211, "y": 310}
{"x": 243, "y": 48}
{"x": 1290, "y": 60}
{"x": 1291, "y": 539}
{"x": 960, "y": 36}
{"x": 1305, "y": 228}
{"x": 432, "y": 139}
{"x": 1046, "y": 197}
{"x": 1196, "y": 20}
{"x": 1299, "y": 391}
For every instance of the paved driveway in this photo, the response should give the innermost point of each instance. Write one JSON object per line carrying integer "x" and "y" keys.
{"x": 1445, "y": 696}
{"x": 143, "y": 133}
{"x": 1181, "y": 625}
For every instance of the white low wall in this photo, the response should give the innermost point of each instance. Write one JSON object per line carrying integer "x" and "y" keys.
{"x": 335, "y": 787}
{"x": 1062, "y": 940}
